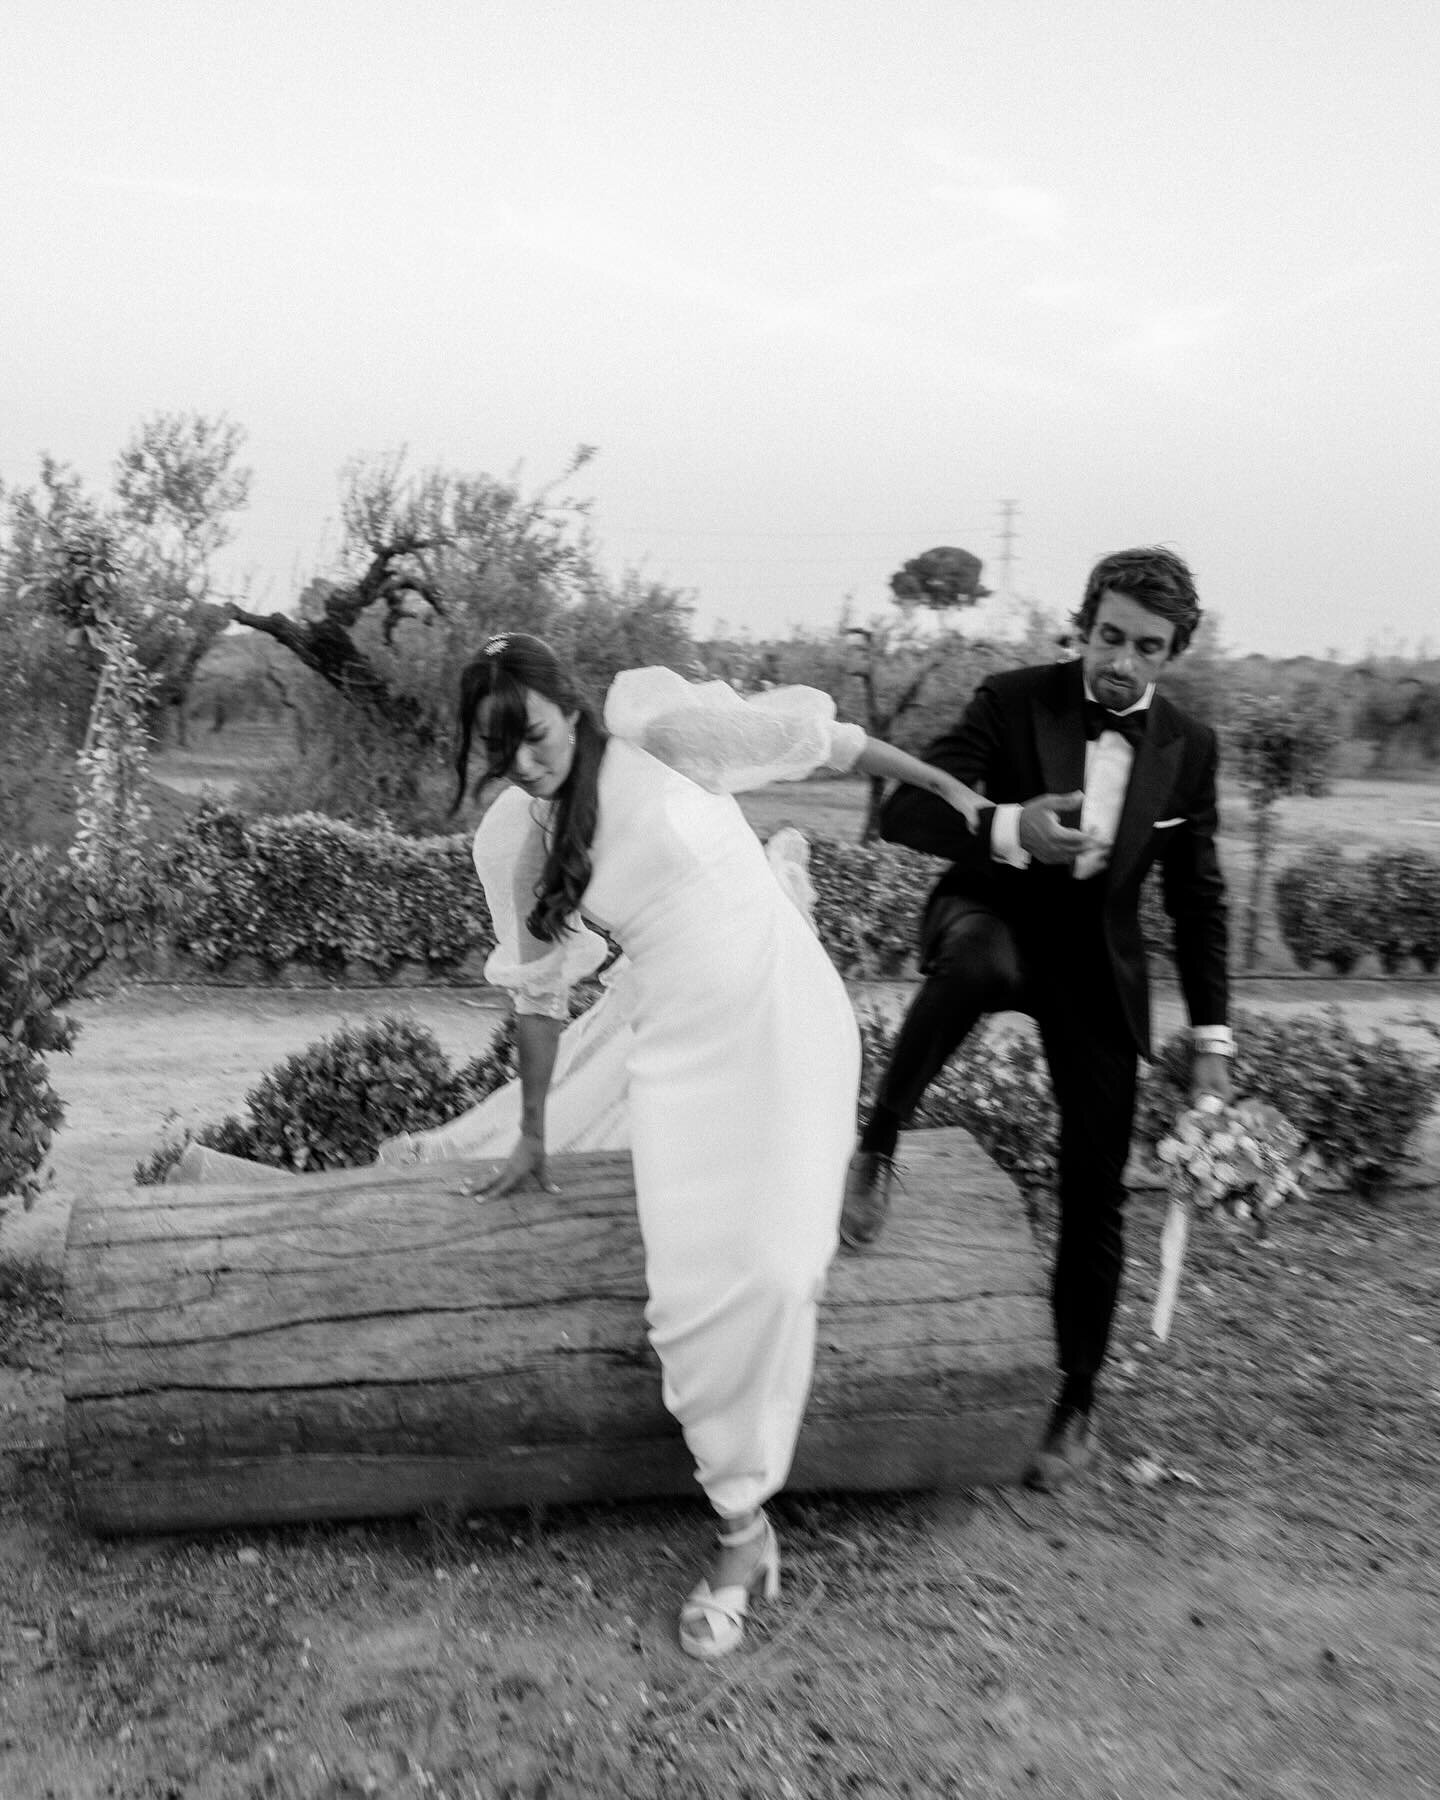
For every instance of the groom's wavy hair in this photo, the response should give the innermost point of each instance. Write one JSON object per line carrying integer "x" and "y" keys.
{"x": 1155, "y": 577}
{"x": 508, "y": 666}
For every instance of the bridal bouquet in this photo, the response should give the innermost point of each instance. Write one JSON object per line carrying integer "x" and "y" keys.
{"x": 1236, "y": 1162}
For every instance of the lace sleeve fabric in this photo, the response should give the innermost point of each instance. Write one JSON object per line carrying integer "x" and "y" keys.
{"x": 509, "y": 855}
{"x": 723, "y": 741}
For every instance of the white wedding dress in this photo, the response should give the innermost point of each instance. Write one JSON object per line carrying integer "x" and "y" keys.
{"x": 724, "y": 1052}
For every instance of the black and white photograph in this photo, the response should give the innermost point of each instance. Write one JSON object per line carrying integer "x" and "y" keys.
{"x": 719, "y": 900}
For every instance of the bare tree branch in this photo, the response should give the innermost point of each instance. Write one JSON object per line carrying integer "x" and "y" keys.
{"x": 325, "y": 647}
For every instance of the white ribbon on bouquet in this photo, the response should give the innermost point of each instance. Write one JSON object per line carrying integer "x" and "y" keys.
{"x": 1172, "y": 1245}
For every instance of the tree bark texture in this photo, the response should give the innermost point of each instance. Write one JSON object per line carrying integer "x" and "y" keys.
{"x": 326, "y": 645}
{"x": 374, "y": 1342}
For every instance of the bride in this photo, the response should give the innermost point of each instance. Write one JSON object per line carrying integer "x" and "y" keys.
{"x": 723, "y": 1053}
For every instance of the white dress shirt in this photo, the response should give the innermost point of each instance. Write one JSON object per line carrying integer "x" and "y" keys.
{"x": 1109, "y": 759}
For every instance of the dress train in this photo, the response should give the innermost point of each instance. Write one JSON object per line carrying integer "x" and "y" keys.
{"x": 587, "y": 1106}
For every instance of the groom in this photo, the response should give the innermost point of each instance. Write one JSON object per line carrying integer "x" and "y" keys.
{"x": 1095, "y": 777}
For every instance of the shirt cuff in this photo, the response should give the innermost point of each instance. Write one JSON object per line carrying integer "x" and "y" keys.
{"x": 1005, "y": 837}
{"x": 1212, "y": 1040}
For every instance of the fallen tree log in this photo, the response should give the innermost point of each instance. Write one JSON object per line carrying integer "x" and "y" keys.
{"x": 374, "y": 1342}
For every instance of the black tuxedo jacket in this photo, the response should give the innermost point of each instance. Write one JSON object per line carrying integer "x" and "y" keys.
{"x": 1023, "y": 734}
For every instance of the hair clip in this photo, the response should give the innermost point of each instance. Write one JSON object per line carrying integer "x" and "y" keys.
{"x": 497, "y": 644}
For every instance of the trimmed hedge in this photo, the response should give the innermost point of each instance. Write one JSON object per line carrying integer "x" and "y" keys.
{"x": 312, "y": 890}
{"x": 1332, "y": 909}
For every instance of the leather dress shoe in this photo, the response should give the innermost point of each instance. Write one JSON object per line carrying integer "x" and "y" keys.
{"x": 1068, "y": 1449}
{"x": 867, "y": 1198}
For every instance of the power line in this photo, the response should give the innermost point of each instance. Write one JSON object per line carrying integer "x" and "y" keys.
{"x": 895, "y": 534}
{"x": 1007, "y": 535}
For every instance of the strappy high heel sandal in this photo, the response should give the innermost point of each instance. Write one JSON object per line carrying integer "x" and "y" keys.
{"x": 712, "y": 1620}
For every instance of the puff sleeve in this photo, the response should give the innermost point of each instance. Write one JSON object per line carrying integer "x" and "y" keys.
{"x": 509, "y": 852}
{"x": 723, "y": 741}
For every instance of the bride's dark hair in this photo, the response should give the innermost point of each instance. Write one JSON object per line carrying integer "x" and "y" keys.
{"x": 508, "y": 667}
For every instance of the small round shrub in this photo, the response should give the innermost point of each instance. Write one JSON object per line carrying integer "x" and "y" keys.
{"x": 1355, "y": 1100}
{"x": 997, "y": 1086}
{"x": 1324, "y": 910}
{"x": 1404, "y": 901}
{"x": 331, "y": 1105}
{"x": 495, "y": 1065}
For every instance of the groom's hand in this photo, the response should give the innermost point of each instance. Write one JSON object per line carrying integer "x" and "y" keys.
{"x": 1042, "y": 834}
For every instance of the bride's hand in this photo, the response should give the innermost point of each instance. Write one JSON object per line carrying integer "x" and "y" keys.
{"x": 526, "y": 1162}
{"x": 964, "y": 799}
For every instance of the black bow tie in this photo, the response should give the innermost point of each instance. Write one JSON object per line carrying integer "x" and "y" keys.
{"x": 1130, "y": 725}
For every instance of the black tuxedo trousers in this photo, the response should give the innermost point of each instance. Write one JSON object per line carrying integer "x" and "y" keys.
{"x": 1055, "y": 968}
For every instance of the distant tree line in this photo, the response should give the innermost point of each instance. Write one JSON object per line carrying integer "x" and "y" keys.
{"x": 358, "y": 675}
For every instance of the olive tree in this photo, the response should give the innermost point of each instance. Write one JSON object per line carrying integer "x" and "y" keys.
{"x": 432, "y": 563}
{"x": 1278, "y": 745}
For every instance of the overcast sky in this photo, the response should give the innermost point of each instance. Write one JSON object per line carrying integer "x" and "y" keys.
{"x": 825, "y": 281}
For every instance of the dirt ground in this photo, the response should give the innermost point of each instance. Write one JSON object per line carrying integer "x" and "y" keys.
{"x": 1242, "y": 1602}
